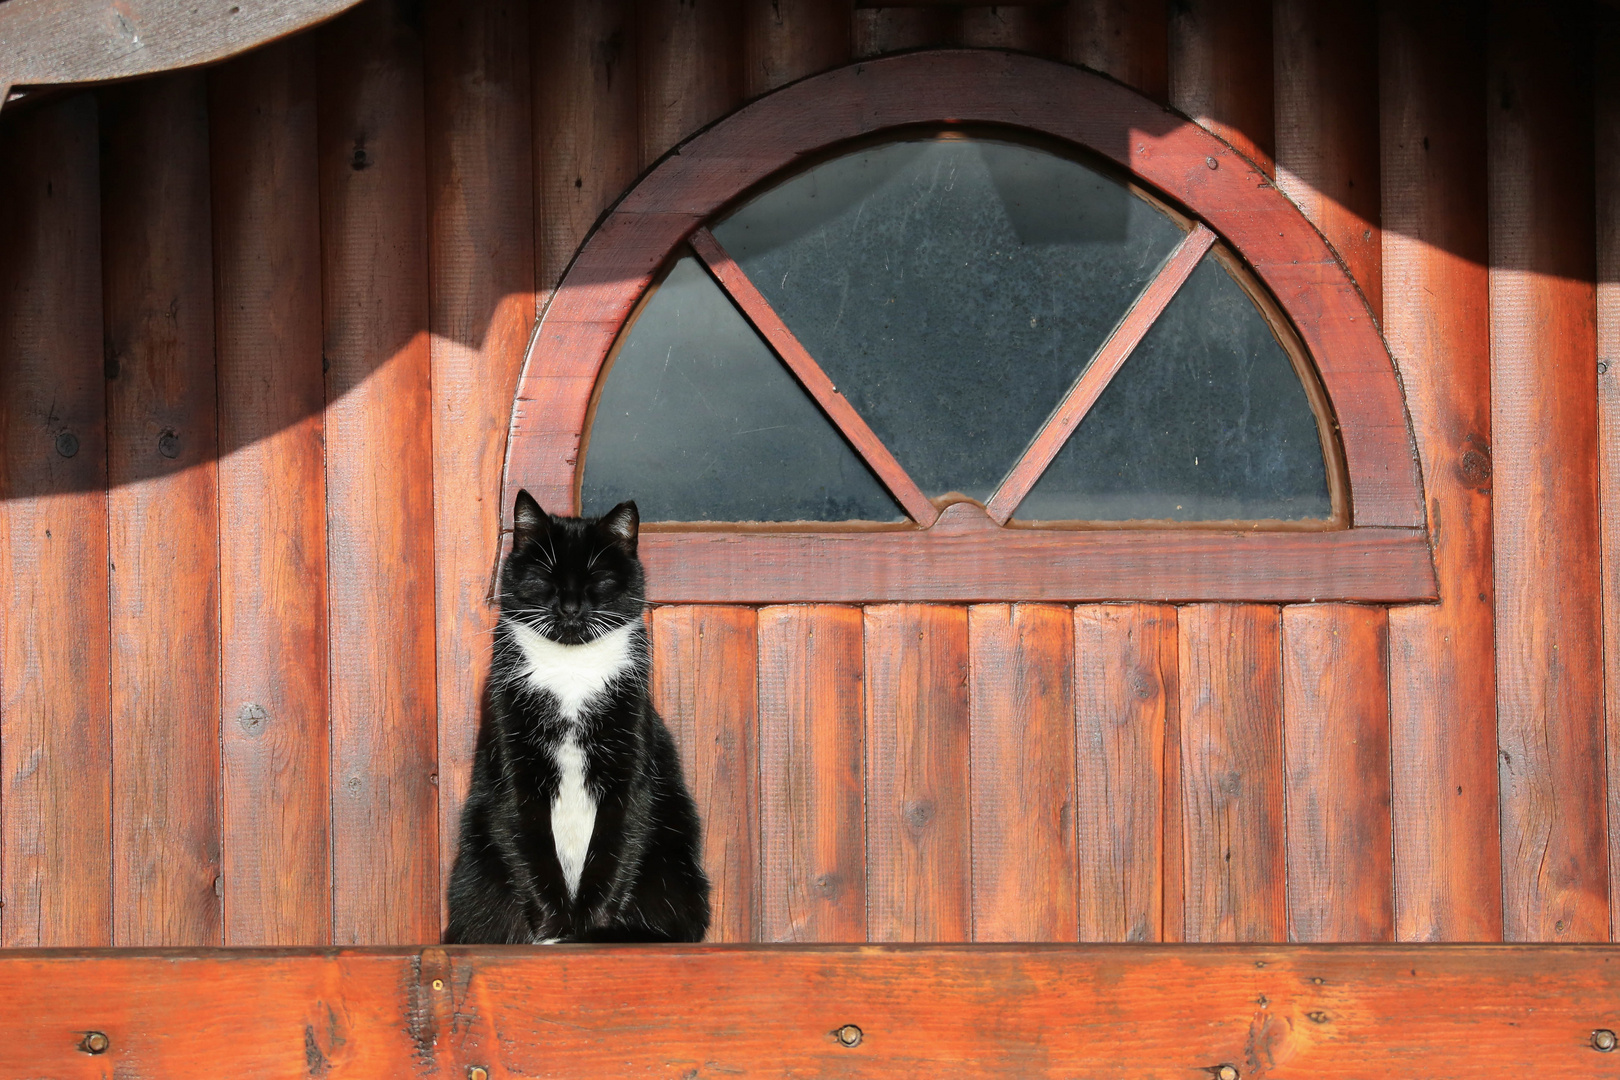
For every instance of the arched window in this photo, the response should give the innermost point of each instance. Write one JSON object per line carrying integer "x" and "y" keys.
{"x": 960, "y": 326}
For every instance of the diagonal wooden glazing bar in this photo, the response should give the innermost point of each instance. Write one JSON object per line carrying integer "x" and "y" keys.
{"x": 812, "y": 378}
{"x": 1101, "y": 371}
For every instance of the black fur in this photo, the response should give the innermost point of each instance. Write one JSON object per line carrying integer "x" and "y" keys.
{"x": 572, "y": 580}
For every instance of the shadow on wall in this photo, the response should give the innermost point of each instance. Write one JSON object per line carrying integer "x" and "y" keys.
{"x": 255, "y": 241}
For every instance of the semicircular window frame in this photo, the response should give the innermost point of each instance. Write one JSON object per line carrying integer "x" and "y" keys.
{"x": 1373, "y": 548}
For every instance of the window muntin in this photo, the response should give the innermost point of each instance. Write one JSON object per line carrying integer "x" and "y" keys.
{"x": 1207, "y": 420}
{"x": 953, "y": 288}
{"x": 701, "y": 422}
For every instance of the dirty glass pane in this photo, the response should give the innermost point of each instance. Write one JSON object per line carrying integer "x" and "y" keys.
{"x": 953, "y": 288}
{"x": 699, "y": 421}
{"x": 1207, "y": 420}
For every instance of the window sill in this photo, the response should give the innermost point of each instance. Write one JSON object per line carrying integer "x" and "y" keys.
{"x": 966, "y": 558}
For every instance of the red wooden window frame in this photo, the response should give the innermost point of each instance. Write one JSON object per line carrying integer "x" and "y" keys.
{"x": 962, "y": 553}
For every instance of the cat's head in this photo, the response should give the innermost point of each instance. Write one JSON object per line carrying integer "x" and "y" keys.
{"x": 572, "y": 579}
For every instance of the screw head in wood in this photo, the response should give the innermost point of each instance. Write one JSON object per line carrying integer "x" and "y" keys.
{"x": 1212, "y": 163}
{"x": 67, "y": 444}
{"x": 477, "y": 1072}
{"x": 95, "y": 1042}
{"x": 849, "y": 1035}
{"x": 1227, "y": 1072}
{"x": 1603, "y": 1039}
{"x": 438, "y": 984}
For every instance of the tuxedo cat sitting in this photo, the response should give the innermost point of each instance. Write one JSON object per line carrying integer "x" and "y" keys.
{"x": 578, "y": 826}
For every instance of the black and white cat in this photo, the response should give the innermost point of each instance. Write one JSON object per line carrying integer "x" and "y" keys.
{"x": 578, "y": 826}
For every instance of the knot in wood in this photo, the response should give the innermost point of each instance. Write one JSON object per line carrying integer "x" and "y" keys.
{"x": 919, "y": 813}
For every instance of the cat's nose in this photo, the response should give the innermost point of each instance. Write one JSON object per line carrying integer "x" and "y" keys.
{"x": 569, "y": 607}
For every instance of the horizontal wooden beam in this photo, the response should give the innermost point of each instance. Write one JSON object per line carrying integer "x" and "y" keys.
{"x": 49, "y": 42}
{"x": 966, "y": 558}
{"x": 1184, "y": 1012}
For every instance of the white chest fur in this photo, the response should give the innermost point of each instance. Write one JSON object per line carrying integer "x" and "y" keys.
{"x": 573, "y": 674}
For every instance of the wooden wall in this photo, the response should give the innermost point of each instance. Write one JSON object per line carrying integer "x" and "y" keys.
{"x": 260, "y": 328}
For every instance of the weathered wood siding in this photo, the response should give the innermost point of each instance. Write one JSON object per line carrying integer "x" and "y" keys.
{"x": 246, "y": 544}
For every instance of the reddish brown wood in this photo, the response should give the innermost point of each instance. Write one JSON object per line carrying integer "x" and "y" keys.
{"x": 704, "y": 684}
{"x": 379, "y": 476}
{"x": 1288, "y": 257}
{"x": 55, "y": 741}
{"x": 1001, "y": 26}
{"x": 1336, "y": 687}
{"x": 1221, "y": 71}
{"x": 1099, "y": 373}
{"x": 690, "y": 68}
{"x": 74, "y": 41}
{"x": 918, "y": 872}
{"x": 1231, "y": 757}
{"x": 1327, "y": 127}
{"x": 1124, "y": 700}
{"x": 1442, "y": 657}
{"x": 1122, "y": 38}
{"x": 1336, "y": 739}
{"x": 813, "y": 379}
{"x": 585, "y": 138}
{"x": 784, "y": 40}
{"x": 1021, "y": 665}
{"x": 1544, "y": 419}
{"x": 966, "y": 558}
{"x": 812, "y": 856}
{"x": 1457, "y": 1013}
{"x": 274, "y": 741}
{"x": 1607, "y": 99}
{"x": 887, "y": 29}
{"x": 162, "y": 511}
{"x": 481, "y": 303}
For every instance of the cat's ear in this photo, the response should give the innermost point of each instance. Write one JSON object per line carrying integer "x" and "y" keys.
{"x": 622, "y": 523}
{"x": 529, "y": 522}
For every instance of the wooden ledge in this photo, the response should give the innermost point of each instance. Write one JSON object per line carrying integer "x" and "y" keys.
{"x": 949, "y": 563}
{"x": 1140, "y": 1011}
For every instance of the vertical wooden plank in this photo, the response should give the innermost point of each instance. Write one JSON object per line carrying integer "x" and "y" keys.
{"x": 1336, "y": 744}
{"x": 1173, "y": 829}
{"x": 1124, "y": 695}
{"x": 55, "y": 743}
{"x": 274, "y": 740}
{"x": 482, "y": 303}
{"x": 1327, "y": 127}
{"x": 918, "y": 859}
{"x": 705, "y": 685}
{"x": 1221, "y": 71}
{"x": 586, "y": 144}
{"x": 1442, "y": 656}
{"x": 379, "y": 479}
{"x": 812, "y": 855}
{"x": 785, "y": 40}
{"x": 690, "y": 68}
{"x": 162, "y": 509}
{"x": 1021, "y": 770}
{"x": 1026, "y": 29}
{"x": 1335, "y": 657}
{"x": 1606, "y": 43}
{"x": 879, "y": 30}
{"x": 1232, "y": 773}
{"x": 1126, "y": 39}
{"x": 1543, "y": 317}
